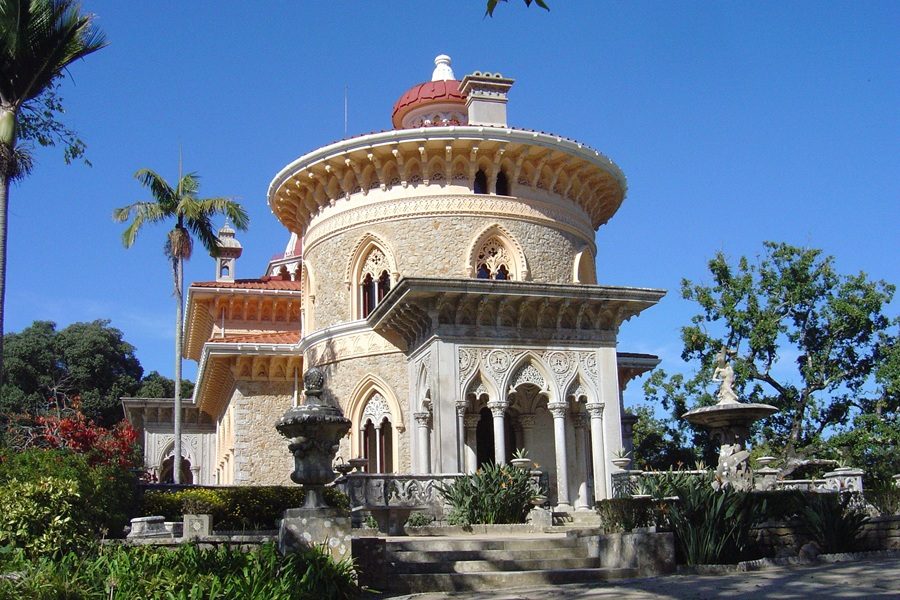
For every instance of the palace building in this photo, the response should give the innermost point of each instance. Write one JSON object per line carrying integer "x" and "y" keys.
{"x": 443, "y": 275}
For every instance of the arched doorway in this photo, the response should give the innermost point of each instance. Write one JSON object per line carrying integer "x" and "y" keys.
{"x": 165, "y": 471}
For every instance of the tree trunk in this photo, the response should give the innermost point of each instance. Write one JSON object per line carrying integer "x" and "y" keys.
{"x": 7, "y": 146}
{"x": 179, "y": 298}
{"x": 4, "y": 205}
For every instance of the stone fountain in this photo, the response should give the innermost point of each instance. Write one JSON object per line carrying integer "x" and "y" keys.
{"x": 314, "y": 429}
{"x": 729, "y": 421}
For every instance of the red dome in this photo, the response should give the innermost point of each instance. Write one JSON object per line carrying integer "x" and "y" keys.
{"x": 430, "y": 92}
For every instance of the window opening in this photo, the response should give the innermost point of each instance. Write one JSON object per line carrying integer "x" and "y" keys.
{"x": 375, "y": 281}
{"x": 384, "y": 285}
{"x": 480, "y": 186}
{"x": 493, "y": 261}
{"x": 502, "y": 184}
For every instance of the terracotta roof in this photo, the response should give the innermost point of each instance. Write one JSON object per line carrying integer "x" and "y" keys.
{"x": 266, "y": 283}
{"x": 280, "y": 337}
{"x": 426, "y": 93}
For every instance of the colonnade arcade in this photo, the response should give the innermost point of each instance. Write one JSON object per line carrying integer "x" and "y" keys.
{"x": 562, "y": 432}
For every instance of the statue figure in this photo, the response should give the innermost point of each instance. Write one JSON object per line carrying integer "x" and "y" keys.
{"x": 724, "y": 374}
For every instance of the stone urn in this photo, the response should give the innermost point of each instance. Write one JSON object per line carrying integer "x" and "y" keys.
{"x": 521, "y": 463}
{"x": 314, "y": 430}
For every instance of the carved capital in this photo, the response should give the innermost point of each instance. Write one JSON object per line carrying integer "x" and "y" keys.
{"x": 595, "y": 409}
{"x": 558, "y": 409}
{"x": 498, "y": 408}
{"x": 526, "y": 421}
{"x": 461, "y": 408}
{"x": 471, "y": 421}
{"x": 422, "y": 418}
{"x": 579, "y": 420}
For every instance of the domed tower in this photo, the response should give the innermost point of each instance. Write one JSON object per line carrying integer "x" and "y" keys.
{"x": 449, "y": 288}
{"x": 230, "y": 250}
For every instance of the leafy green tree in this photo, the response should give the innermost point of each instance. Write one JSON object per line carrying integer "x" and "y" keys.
{"x": 812, "y": 342}
{"x": 192, "y": 215}
{"x": 38, "y": 40}
{"x": 155, "y": 385}
{"x": 658, "y": 446}
{"x": 89, "y": 360}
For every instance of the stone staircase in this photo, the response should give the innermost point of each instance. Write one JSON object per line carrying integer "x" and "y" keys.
{"x": 491, "y": 562}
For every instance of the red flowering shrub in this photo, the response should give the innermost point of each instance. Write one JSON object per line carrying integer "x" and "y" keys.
{"x": 66, "y": 427}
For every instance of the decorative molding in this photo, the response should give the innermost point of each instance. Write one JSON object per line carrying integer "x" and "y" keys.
{"x": 370, "y": 213}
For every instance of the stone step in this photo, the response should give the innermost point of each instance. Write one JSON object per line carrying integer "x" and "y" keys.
{"x": 549, "y": 543}
{"x": 491, "y": 566}
{"x": 449, "y": 556}
{"x": 473, "y": 582}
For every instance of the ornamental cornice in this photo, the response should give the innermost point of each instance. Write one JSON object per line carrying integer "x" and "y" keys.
{"x": 436, "y": 156}
{"x": 564, "y": 217}
{"x": 336, "y": 349}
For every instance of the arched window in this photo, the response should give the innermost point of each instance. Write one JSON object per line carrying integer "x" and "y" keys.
{"x": 378, "y": 435}
{"x": 224, "y": 271}
{"x": 493, "y": 260}
{"x": 480, "y": 186}
{"x": 502, "y": 184}
{"x": 374, "y": 282}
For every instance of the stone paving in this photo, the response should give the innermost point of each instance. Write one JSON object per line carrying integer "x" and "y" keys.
{"x": 871, "y": 578}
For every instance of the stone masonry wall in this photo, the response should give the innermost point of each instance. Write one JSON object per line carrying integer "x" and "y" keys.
{"x": 342, "y": 378}
{"x": 261, "y": 453}
{"x": 434, "y": 246}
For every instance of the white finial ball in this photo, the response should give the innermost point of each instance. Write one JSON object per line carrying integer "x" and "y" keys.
{"x": 442, "y": 70}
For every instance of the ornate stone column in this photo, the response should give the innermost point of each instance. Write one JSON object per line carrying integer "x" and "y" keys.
{"x": 595, "y": 410}
{"x": 579, "y": 422}
{"x": 424, "y": 445}
{"x": 558, "y": 410}
{"x": 471, "y": 423}
{"x": 498, "y": 411}
{"x": 461, "y": 436}
{"x": 378, "y": 442}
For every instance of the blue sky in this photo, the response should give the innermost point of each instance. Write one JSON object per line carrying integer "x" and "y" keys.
{"x": 735, "y": 123}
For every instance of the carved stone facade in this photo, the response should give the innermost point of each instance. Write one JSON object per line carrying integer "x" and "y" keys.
{"x": 447, "y": 289}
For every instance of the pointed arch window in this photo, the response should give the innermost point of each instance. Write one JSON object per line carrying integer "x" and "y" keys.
{"x": 374, "y": 281}
{"x": 377, "y": 435}
{"x": 493, "y": 260}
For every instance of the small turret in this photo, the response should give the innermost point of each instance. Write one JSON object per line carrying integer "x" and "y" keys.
{"x": 229, "y": 251}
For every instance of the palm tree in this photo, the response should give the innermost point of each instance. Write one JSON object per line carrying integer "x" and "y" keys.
{"x": 192, "y": 215}
{"x": 38, "y": 39}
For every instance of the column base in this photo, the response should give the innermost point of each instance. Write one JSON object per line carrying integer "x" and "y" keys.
{"x": 563, "y": 507}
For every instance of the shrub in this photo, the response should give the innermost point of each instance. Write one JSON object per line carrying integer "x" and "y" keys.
{"x": 419, "y": 519}
{"x": 106, "y": 493}
{"x": 624, "y": 514}
{"x": 233, "y": 508}
{"x": 40, "y": 517}
{"x": 188, "y": 572}
{"x": 885, "y": 497}
{"x": 834, "y": 520}
{"x": 496, "y": 494}
{"x": 710, "y": 526}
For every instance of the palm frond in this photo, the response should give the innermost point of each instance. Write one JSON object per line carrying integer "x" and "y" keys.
{"x": 41, "y": 38}
{"x": 160, "y": 189}
{"x": 204, "y": 229}
{"x": 144, "y": 212}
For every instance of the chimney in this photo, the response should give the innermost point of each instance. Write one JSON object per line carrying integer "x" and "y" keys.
{"x": 486, "y": 98}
